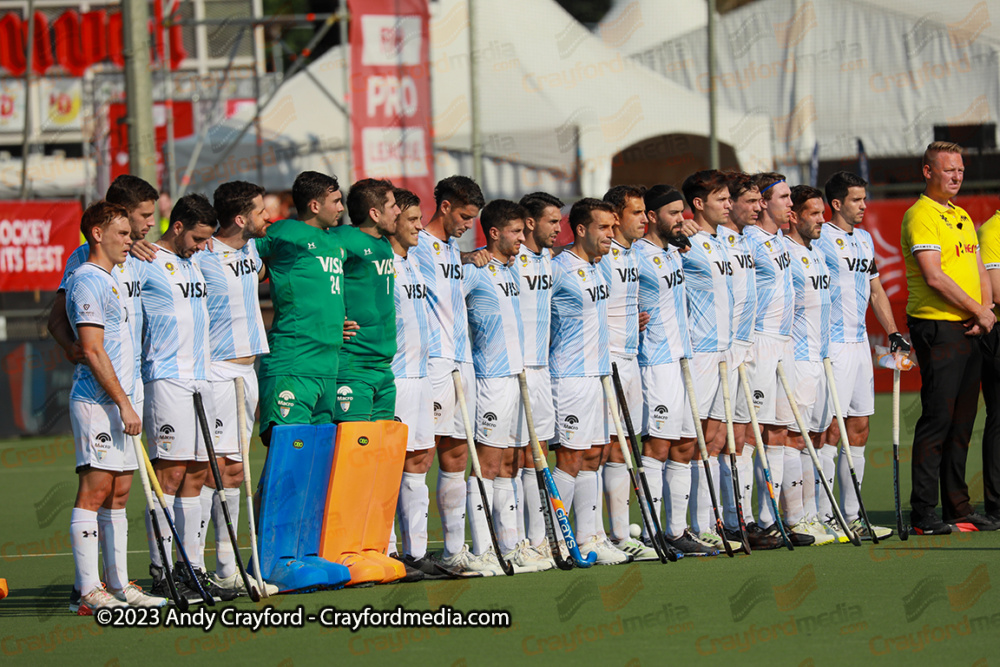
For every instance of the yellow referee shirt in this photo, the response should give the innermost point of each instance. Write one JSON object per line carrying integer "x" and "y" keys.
{"x": 928, "y": 225}
{"x": 989, "y": 245}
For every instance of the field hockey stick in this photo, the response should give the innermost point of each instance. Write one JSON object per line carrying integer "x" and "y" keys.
{"x": 762, "y": 455}
{"x": 671, "y": 553}
{"x": 548, "y": 501}
{"x": 828, "y": 366}
{"x": 220, "y": 494}
{"x": 241, "y": 425}
{"x": 804, "y": 430}
{"x": 470, "y": 437}
{"x": 180, "y": 602}
{"x": 903, "y": 533}
{"x": 703, "y": 450}
{"x": 158, "y": 491}
{"x": 645, "y": 499}
{"x": 731, "y": 445}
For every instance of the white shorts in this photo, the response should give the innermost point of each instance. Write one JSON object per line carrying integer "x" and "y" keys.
{"x": 581, "y": 412}
{"x": 855, "y": 378}
{"x": 223, "y": 375}
{"x": 663, "y": 398}
{"x": 415, "y": 408}
{"x": 707, "y": 389}
{"x": 173, "y": 431}
{"x": 543, "y": 410}
{"x": 812, "y": 396}
{"x": 628, "y": 370}
{"x": 447, "y": 415}
{"x": 500, "y": 414}
{"x": 138, "y": 396}
{"x": 100, "y": 438}
{"x": 768, "y": 393}
{"x": 740, "y": 353}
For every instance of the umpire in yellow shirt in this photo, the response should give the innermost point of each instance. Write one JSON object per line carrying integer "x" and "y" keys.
{"x": 989, "y": 250}
{"x": 949, "y": 307}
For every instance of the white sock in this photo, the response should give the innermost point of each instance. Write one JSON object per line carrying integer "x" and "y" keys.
{"x": 587, "y": 501}
{"x": 566, "y": 486}
{"x": 616, "y": 495}
{"x": 677, "y": 477}
{"x": 451, "y": 492}
{"x": 505, "y": 514}
{"x": 744, "y": 468}
{"x": 654, "y": 480}
{"x": 599, "y": 517}
{"x": 83, "y": 532}
{"x": 414, "y": 503}
{"x": 519, "y": 503}
{"x": 207, "y": 498}
{"x": 477, "y": 515}
{"x": 791, "y": 486}
{"x": 393, "y": 549}
{"x": 168, "y": 537}
{"x": 808, "y": 485}
{"x": 701, "y": 498}
{"x": 113, "y": 528}
{"x": 848, "y": 499}
{"x": 726, "y": 497}
{"x": 531, "y": 506}
{"x": 829, "y": 465}
{"x": 187, "y": 513}
{"x": 225, "y": 558}
{"x": 776, "y": 463}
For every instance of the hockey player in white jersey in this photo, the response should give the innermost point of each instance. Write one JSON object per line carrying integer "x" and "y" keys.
{"x": 800, "y": 492}
{"x": 772, "y": 340}
{"x": 176, "y": 362}
{"x": 533, "y": 266}
{"x": 708, "y": 279}
{"x": 578, "y": 357}
{"x": 103, "y": 415}
{"x": 497, "y": 336}
{"x": 232, "y": 269}
{"x": 662, "y": 344}
{"x": 621, "y": 272}
{"x": 849, "y": 252}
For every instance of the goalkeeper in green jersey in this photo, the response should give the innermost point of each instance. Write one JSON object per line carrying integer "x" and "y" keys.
{"x": 366, "y": 388}
{"x": 305, "y": 262}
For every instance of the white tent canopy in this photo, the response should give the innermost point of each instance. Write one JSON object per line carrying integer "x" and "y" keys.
{"x": 835, "y": 72}
{"x": 637, "y": 25}
{"x": 563, "y": 106}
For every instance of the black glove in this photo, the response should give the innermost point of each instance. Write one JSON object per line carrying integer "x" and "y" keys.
{"x": 679, "y": 241}
{"x": 898, "y": 344}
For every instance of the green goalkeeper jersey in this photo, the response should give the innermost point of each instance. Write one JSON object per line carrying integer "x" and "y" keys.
{"x": 306, "y": 267}
{"x": 369, "y": 283}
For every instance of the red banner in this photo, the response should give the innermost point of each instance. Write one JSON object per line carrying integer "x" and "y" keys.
{"x": 391, "y": 94}
{"x": 36, "y": 239}
{"x": 117, "y": 117}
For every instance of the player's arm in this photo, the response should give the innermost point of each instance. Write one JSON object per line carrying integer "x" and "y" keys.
{"x": 92, "y": 343}
{"x": 929, "y": 262}
{"x": 478, "y": 257}
{"x": 879, "y": 301}
{"x": 144, "y": 250}
{"x": 61, "y": 330}
{"x": 985, "y": 283}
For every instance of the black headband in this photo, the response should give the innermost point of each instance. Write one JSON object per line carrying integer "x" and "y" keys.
{"x": 662, "y": 200}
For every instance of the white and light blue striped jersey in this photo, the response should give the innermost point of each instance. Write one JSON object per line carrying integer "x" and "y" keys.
{"x": 94, "y": 297}
{"x": 811, "y": 281}
{"x": 534, "y": 271}
{"x": 129, "y": 290}
{"x": 775, "y": 295}
{"x": 494, "y": 320}
{"x": 744, "y": 284}
{"x": 850, "y": 258}
{"x": 236, "y": 327}
{"x": 412, "y": 326}
{"x": 175, "y": 339}
{"x": 620, "y": 269}
{"x": 708, "y": 282}
{"x": 579, "y": 330}
{"x": 662, "y": 295}
{"x": 441, "y": 266}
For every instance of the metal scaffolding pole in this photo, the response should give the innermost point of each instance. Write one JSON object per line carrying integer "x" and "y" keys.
{"x": 477, "y": 144}
{"x": 168, "y": 85}
{"x": 138, "y": 90}
{"x": 30, "y": 59}
{"x": 713, "y": 101}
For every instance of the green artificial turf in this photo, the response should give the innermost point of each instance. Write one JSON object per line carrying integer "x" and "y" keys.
{"x": 929, "y": 600}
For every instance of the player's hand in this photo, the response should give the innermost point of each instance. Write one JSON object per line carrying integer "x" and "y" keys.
{"x": 143, "y": 250}
{"x": 898, "y": 344}
{"x": 130, "y": 420}
{"x": 75, "y": 353}
{"x": 643, "y": 320}
{"x": 350, "y": 329}
{"x": 479, "y": 258}
{"x": 689, "y": 227}
{"x": 985, "y": 319}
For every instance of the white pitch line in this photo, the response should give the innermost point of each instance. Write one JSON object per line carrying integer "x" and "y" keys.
{"x": 138, "y": 551}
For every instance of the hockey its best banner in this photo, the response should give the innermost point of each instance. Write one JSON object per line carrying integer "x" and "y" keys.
{"x": 391, "y": 94}
{"x": 36, "y": 239}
